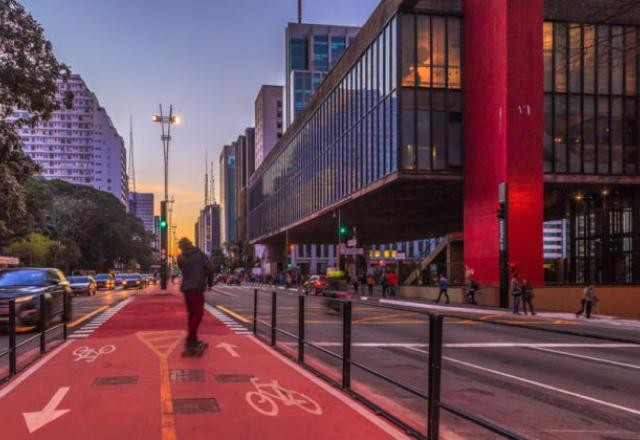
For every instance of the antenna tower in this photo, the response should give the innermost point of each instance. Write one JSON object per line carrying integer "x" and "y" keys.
{"x": 206, "y": 178}
{"x": 299, "y": 11}
{"x": 132, "y": 168}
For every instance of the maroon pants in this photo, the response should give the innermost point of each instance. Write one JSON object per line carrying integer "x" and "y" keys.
{"x": 195, "y": 309}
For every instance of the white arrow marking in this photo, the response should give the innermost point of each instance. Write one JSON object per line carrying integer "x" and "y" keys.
{"x": 230, "y": 349}
{"x": 36, "y": 420}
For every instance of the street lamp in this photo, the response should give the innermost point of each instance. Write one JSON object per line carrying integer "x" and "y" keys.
{"x": 165, "y": 122}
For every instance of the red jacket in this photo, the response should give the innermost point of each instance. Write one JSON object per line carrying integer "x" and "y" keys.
{"x": 392, "y": 279}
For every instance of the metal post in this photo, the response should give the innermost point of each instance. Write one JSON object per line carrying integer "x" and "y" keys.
{"x": 503, "y": 243}
{"x": 435, "y": 363}
{"x": 255, "y": 312}
{"x": 42, "y": 324}
{"x": 12, "y": 338}
{"x": 163, "y": 245}
{"x": 301, "y": 329}
{"x": 65, "y": 315}
{"x": 346, "y": 345}
{"x": 273, "y": 319}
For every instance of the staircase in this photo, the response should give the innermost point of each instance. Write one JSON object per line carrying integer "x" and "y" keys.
{"x": 441, "y": 247}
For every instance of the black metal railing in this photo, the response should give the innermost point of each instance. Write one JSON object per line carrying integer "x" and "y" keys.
{"x": 434, "y": 360}
{"x": 11, "y": 353}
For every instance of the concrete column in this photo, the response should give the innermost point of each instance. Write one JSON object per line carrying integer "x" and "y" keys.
{"x": 503, "y": 129}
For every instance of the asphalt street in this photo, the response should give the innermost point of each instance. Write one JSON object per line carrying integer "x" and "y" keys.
{"x": 535, "y": 382}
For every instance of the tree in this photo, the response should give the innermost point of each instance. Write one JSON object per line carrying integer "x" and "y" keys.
{"x": 33, "y": 250}
{"x": 28, "y": 73}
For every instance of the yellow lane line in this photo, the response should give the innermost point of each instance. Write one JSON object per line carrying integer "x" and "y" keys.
{"x": 234, "y": 314}
{"x": 87, "y": 316}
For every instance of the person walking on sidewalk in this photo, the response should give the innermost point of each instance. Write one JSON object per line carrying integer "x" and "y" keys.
{"x": 443, "y": 285}
{"x": 197, "y": 275}
{"x": 527, "y": 297}
{"x": 472, "y": 288}
{"x": 370, "y": 282}
{"x": 384, "y": 283}
{"x": 589, "y": 298}
{"x": 392, "y": 282}
{"x": 516, "y": 292}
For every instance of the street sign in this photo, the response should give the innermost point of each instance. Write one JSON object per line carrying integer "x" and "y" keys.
{"x": 342, "y": 249}
{"x": 352, "y": 243}
{"x": 354, "y": 251}
{"x": 400, "y": 256}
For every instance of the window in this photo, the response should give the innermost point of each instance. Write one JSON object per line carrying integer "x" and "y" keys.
{"x": 320, "y": 52}
{"x": 337, "y": 49}
{"x": 298, "y": 54}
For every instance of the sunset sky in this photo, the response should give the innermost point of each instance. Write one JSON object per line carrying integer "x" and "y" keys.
{"x": 206, "y": 57}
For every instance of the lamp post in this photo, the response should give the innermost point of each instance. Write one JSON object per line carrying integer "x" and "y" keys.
{"x": 165, "y": 122}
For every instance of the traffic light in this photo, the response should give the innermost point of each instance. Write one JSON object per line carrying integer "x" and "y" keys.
{"x": 343, "y": 230}
{"x": 289, "y": 265}
{"x": 163, "y": 224}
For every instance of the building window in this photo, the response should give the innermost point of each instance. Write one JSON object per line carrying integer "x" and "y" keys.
{"x": 298, "y": 55}
{"x": 321, "y": 52}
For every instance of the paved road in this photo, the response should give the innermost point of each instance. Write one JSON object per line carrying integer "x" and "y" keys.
{"x": 84, "y": 309}
{"x": 536, "y": 383}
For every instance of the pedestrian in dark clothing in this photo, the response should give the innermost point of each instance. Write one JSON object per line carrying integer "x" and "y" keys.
{"x": 527, "y": 297}
{"x": 197, "y": 275}
{"x": 355, "y": 283}
{"x": 472, "y": 288}
{"x": 370, "y": 282}
{"x": 516, "y": 292}
{"x": 443, "y": 285}
{"x": 385, "y": 285}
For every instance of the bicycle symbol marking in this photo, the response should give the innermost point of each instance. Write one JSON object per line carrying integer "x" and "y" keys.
{"x": 263, "y": 398}
{"x": 89, "y": 354}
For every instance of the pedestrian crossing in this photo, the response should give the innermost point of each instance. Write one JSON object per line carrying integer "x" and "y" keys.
{"x": 231, "y": 323}
{"x": 86, "y": 330}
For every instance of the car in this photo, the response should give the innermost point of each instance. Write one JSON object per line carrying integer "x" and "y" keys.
{"x": 317, "y": 284}
{"x": 27, "y": 286}
{"x": 83, "y": 285}
{"x": 105, "y": 281}
{"x": 132, "y": 281}
{"x": 121, "y": 280}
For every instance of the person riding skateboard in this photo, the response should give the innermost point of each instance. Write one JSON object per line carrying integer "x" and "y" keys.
{"x": 197, "y": 274}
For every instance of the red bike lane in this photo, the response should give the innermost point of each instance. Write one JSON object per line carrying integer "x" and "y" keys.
{"x": 129, "y": 381}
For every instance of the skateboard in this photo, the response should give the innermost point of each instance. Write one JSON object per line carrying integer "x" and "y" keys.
{"x": 195, "y": 352}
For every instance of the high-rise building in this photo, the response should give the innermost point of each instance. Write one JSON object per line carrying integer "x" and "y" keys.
{"x": 207, "y": 229}
{"x": 228, "y": 193}
{"x": 311, "y": 51}
{"x": 141, "y": 205}
{"x": 269, "y": 119}
{"x": 79, "y": 145}
{"x": 245, "y": 165}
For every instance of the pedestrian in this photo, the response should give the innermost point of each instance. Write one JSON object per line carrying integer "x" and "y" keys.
{"x": 443, "y": 285}
{"x": 363, "y": 282}
{"x": 527, "y": 297}
{"x": 370, "y": 282}
{"x": 589, "y": 298}
{"x": 472, "y": 288}
{"x": 384, "y": 283}
{"x": 392, "y": 282}
{"x": 197, "y": 272}
{"x": 354, "y": 282}
{"x": 516, "y": 292}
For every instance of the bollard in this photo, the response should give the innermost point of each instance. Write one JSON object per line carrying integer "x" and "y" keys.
{"x": 301, "y": 329}
{"x": 273, "y": 319}
{"x": 42, "y": 324}
{"x": 346, "y": 345}
{"x": 65, "y": 314}
{"x": 255, "y": 312}
{"x": 435, "y": 363}
{"x": 12, "y": 338}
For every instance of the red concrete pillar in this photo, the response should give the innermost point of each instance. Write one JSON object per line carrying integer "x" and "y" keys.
{"x": 503, "y": 128}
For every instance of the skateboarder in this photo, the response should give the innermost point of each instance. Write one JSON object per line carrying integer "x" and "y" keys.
{"x": 197, "y": 274}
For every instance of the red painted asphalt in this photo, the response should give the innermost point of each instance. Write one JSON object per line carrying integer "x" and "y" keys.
{"x": 141, "y": 388}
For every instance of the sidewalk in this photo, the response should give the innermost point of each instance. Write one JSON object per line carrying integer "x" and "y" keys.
{"x": 127, "y": 380}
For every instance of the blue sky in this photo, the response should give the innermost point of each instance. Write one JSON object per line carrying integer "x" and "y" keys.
{"x": 206, "y": 57}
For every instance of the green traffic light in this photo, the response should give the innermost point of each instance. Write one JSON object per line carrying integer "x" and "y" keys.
{"x": 343, "y": 230}
{"x": 163, "y": 224}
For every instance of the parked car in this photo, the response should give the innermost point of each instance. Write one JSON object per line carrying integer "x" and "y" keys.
{"x": 121, "y": 280}
{"x": 132, "y": 281}
{"x": 83, "y": 285}
{"x": 105, "y": 281}
{"x": 317, "y": 284}
{"x": 27, "y": 286}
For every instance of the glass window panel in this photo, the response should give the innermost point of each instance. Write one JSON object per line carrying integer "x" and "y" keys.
{"x": 589, "y": 135}
{"x": 424, "y": 130}
{"x": 455, "y": 130}
{"x": 548, "y": 134}
{"x": 575, "y": 135}
{"x": 617, "y": 59}
{"x": 337, "y": 49}
{"x": 454, "y": 51}
{"x": 408, "y": 130}
{"x": 394, "y": 131}
{"x": 560, "y": 41}
{"x": 381, "y": 141}
{"x": 602, "y": 37}
{"x": 384, "y": 62}
{"x": 589, "y": 73}
{"x": 630, "y": 137}
{"x": 575, "y": 57}
{"x": 616, "y": 135}
{"x": 408, "y": 50}
{"x": 547, "y": 44}
{"x": 439, "y": 140}
{"x": 631, "y": 54}
{"x": 438, "y": 46}
{"x": 321, "y": 52}
{"x": 298, "y": 53}
{"x": 387, "y": 146}
{"x": 602, "y": 151}
{"x": 424, "y": 51}
{"x": 560, "y": 137}
{"x": 394, "y": 51}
